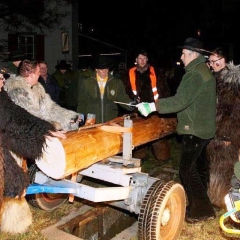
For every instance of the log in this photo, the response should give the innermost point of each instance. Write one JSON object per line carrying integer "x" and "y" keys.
{"x": 86, "y": 146}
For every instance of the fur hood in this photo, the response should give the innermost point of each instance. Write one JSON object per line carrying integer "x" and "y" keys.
{"x": 231, "y": 74}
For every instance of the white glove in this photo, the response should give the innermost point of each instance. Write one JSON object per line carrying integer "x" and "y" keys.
{"x": 146, "y": 108}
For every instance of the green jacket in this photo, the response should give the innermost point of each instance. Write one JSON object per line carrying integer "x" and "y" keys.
{"x": 89, "y": 98}
{"x": 78, "y": 75}
{"x": 194, "y": 102}
{"x": 12, "y": 69}
{"x": 65, "y": 79}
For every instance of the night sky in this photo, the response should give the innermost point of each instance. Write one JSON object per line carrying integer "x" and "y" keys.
{"x": 158, "y": 27}
{"x": 139, "y": 23}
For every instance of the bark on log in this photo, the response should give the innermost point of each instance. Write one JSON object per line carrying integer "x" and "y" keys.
{"x": 85, "y": 147}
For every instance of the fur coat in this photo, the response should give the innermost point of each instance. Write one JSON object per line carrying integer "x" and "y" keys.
{"x": 223, "y": 156}
{"x": 24, "y": 135}
{"x": 36, "y": 101}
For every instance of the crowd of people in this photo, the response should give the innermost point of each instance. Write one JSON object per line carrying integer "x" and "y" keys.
{"x": 205, "y": 101}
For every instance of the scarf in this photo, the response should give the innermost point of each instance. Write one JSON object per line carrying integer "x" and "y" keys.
{"x": 102, "y": 84}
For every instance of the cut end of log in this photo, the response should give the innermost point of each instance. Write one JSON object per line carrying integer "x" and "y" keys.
{"x": 53, "y": 161}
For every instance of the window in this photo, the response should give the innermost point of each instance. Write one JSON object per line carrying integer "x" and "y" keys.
{"x": 26, "y": 43}
{"x": 32, "y": 44}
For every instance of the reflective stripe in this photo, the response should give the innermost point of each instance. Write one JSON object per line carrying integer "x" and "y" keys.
{"x": 156, "y": 97}
{"x": 154, "y": 89}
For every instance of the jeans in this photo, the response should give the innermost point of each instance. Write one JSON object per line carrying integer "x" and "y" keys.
{"x": 194, "y": 174}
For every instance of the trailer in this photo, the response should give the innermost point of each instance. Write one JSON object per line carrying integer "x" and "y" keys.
{"x": 160, "y": 205}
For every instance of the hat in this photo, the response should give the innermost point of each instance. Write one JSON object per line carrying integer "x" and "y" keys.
{"x": 195, "y": 45}
{"x": 17, "y": 55}
{"x": 4, "y": 73}
{"x": 102, "y": 62}
{"x": 63, "y": 65}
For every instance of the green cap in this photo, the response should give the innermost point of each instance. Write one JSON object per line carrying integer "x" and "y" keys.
{"x": 237, "y": 170}
{"x": 16, "y": 55}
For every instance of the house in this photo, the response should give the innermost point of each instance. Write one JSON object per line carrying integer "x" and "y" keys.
{"x": 64, "y": 41}
{"x": 48, "y": 45}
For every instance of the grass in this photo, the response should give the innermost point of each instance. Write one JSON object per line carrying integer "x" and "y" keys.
{"x": 163, "y": 169}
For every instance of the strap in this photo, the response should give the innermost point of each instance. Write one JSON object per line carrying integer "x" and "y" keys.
{"x": 115, "y": 129}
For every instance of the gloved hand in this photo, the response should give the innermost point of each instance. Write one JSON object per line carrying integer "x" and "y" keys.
{"x": 135, "y": 101}
{"x": 146, "y": 108}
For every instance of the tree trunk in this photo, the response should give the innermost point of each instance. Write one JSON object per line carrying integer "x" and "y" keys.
{"x": 91, "y": 144}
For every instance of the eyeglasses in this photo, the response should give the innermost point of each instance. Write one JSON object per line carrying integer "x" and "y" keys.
{"x": 210, "y": 63}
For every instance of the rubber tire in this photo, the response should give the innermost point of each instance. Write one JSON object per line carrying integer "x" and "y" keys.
{"x": 162, "y": 198}
{"x": 44, "y": 201}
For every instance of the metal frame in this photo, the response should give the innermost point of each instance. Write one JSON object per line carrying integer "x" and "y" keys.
{"x": 124, "y": 172}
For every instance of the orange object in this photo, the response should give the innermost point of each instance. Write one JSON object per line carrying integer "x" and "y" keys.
{"x": 153, "y": 78}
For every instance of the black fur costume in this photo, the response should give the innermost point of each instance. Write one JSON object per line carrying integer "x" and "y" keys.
{"x": 222, "y": 156}
{"x": 24, "y": 135}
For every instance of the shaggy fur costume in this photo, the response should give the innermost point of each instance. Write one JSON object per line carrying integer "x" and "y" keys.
{"x": 24, "y": 135}
{"x": 36, "y": 101}
{"x": 15, "y": 223}
{"x": 222, "y": 156}
{"x": 160, "y": 148}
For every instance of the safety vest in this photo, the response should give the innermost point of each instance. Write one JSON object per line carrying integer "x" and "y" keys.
{"x": 153, "y": 78}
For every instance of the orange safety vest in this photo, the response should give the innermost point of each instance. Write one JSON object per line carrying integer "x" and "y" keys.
{"x": 153, "y": 78}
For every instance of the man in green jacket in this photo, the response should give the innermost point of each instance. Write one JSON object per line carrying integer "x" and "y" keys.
{"x": 195, "y": 105}
{"x": 97, "y": 93}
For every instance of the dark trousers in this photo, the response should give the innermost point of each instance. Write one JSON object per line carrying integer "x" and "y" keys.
{"x": 194, "y": 174}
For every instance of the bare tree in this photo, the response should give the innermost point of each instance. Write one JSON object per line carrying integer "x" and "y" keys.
{"x": 31, "y": 15}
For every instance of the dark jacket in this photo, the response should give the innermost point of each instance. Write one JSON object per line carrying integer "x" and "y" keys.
{"x": 63, "y": 81}
{"x": 194, "y": 102}
{"x": 51, "y": 87}
{"x": 89, "y": 98}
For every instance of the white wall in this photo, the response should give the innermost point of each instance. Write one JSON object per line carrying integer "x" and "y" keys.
{"x": 53, "y": 42}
